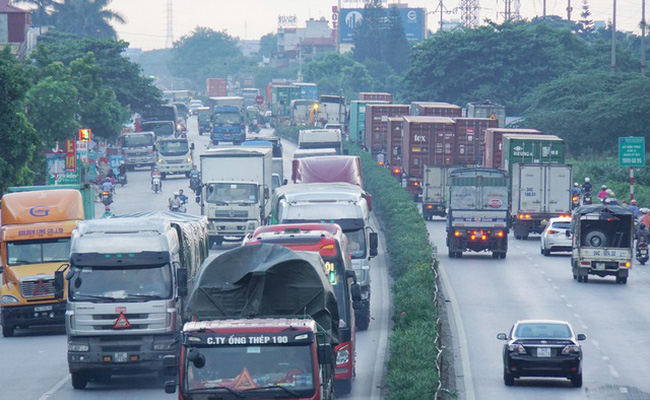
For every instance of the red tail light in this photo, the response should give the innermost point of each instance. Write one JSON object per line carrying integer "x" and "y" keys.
{"x": 551, "y": 232}
{"x": 429, "y": 206}
{"x": 500, "y": 234}
{"x": 396, "y": 171}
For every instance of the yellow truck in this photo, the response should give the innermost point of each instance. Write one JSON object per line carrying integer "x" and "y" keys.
{"x": 35, "y": 234}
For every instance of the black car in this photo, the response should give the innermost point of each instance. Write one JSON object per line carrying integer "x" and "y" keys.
{"x": 542, "y": 348}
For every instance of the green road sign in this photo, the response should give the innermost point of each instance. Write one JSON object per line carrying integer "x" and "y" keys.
{"x": 631, "y": 151}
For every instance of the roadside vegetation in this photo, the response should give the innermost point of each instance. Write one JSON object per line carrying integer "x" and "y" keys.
{"x": 605, "y": 171}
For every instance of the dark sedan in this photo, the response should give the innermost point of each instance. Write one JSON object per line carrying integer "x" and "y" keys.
{"x": 542, "y": 348}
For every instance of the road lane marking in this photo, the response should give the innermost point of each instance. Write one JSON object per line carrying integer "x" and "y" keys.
{"x": 605, "y": 358}
{"x": 55, "y": 388}
{"x": 585, "y": 327}
{"x": 576, "y": 314}
{"x": 623, "y": 390}
{"x": 613, "y": 371}
{"x": 556, "y": 287}
{"x": 536, "y": 265}
{"x": 570, "y": 305}
{"x": 462, "y": 338}
{"x": 596, "y": 344}
{"x": 383, "y": 336}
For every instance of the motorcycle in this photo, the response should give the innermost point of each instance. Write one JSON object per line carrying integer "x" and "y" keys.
{"x": 195, "y": 185}
{"x": 106, "y": 198}
{"x": 155, "y": 184}
{"x": 642, "y": 254}
{"x": 586, "y": 198}
{"x": 177, "y": 206}
{"x": 575, "y": 201}
{"x": 121, "y": 179}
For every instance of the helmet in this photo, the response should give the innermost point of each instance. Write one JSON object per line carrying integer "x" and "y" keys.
{"x": 575, "y": 184}
{"x": 176, "y": 193}
{"x": 107, "y": 179}
{"x": 641, "y": 225}
{"x": 643, "y": 210}
{"x": 632, "y": 201}
{"x": 609, "y": 192}
{"x": 604, "y": 187}
{"x": 587, "y": 180}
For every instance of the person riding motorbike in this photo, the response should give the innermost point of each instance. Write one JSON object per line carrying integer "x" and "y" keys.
{"x": 156, "y": 174}
{"x": 181, "y": 196}
{"x": 642, "y": 234}
{"x": 586, "y": 187}
{"x": 634, "y": 208}
{"x": 108, "y": 187}
{"x": 195, "y": 179}
{"x": 576, "y": 189}
{"x": 603, "y": 192}
{"x": 645, "y": 218}
{"x": 175, "y": 202}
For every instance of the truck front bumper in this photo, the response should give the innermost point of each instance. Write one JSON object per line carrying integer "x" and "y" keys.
{"x": 228, "y": 137}
{"x": 180, "y": 168}
{"x": 120, "y": 354}
{"x": 39, "y": 314}
{"x": 231, "y": 228}
{"x": 140, "y": 160}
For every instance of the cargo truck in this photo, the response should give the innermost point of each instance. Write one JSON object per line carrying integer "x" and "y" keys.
{"x": 331, "y": 110}
{"x": 329, "y": 241}
{"x": 204, "y": 120}
{"x": 175, "y": 156}
{"x": 357, "y": 131}
{"x": 539, "y": 192}
{"x": 328, "y": 169}
{"x": 377, "y": 125}
{"x": 276, "y": 144}
{"x": 478, "y": 214}
{"x": 228, "y": 123}
{"x": 320, "y": 139}
{"x": 493, "y": 153}
{"x": 281, "y": 97}
{"x": 162, "y": 129}
{"x": 36, "y": 230}
{"x": 126, "y": 284}
{"x": 603, "y": 242}
{"x": 138, "y": 149}
{"x": 235, "y": 190}
{"x": 165, "y": 112}
{"x": 216, "y": 87}
{"x": 435, "y": 109}
{"x": 434, "y": 191}
{"x": 264, "y": 324}
{"x": 340, "y": 203}
{"x": 487, "y": 109}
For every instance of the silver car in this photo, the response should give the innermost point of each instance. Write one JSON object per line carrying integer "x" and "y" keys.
{"x": 554, "y": 237}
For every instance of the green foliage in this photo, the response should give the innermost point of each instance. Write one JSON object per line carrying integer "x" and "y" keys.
{"x": 605, "y": 171}
{"x": 52, "y": 106}
{"x": 591, "y": 110}
{"x": 86, "y": 18}
{"x": 18, "y": 141}
{"x": 268, "y": 45}
{"x": 205, "y": 53}
{"x": 336, "y": 73}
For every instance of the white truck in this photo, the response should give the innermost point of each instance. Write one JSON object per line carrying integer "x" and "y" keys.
{"x": 434, "y": 191}
{"x": 539, "y": 192}
{"x": 175, "y": 156}
{"x": 341, "y": 203}
{"x": 320, "y": 139}
{"x": 138, "y": 149}
{"x": 236, "y": 184}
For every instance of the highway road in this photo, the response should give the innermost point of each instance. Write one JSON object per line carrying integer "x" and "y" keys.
{"x": 486, "y": 296}
{"x": 34, "y": 364}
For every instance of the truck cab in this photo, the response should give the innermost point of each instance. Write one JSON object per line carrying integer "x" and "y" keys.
{"x": 36, "y": 231}
{"x": 162, "y": 129}
{"x": 175, "y": 156}
{"x": 603, "y": 242}
{"x": 138, "y": 149}
{"x": 203, "y": 120}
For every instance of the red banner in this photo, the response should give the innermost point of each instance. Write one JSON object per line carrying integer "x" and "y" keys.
{"x": 70, "y": 156}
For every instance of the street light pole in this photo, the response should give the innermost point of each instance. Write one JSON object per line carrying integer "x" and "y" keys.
{"x": 614, "y": 36}
{"x": 643, "y": 66}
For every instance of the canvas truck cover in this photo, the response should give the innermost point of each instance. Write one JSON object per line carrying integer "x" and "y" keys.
{"x": 599, "y": 208}
{"x": 328, "y": 169}
{"x": 264, "y": 281}
{"x": 42, "y": 206}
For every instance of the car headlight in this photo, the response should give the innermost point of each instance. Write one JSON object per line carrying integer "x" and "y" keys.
{"x": 343, "y": 355}
{"x": 7, "y": 299}
{"x": 78, "y": 347}
{"x": 160, "y": 160}
{"x": 571, "y": 348}
{"x": 516, "y": 347}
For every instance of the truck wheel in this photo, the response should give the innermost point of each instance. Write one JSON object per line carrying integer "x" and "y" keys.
{"x": 503, "y": 255}
{"x": 595, "y": 238}
{"x": 496, "y": 255}
{"x": 546, "y": 252}
{"x": 79, "y": 380}
{"x": 342, "y": 386}
{"x": 459, "y": 254}
{"x": 8, "y": 330}
{"x": 452, "y": 254}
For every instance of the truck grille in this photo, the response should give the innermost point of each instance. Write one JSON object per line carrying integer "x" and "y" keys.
{"x": 230, "y": 214}
{"x": 37, "y": 287}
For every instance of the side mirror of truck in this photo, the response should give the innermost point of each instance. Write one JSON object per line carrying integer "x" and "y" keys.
{"x": 198, "y": 199}
{"x": 196, "y": 358}
{"x": 374, "y": 244}
{"x": 59, "y": 285}
{"x": 192, "y": 146}
{"x": 267, "y": 193}
{"x": 356, "y": 294}
{"x": 568, "y": 233}
{"x": 181, "y": 275}
{"x": 325, "y": 354}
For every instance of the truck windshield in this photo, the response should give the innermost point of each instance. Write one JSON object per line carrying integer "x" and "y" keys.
{"x": 232, "y": 193}
{"x": 336, "y": 276}
{"x": 251, "y": 368}
{"x": 38, "y": 251}
{"x": 356, "y": 243}
{"x": 137, "y": 140}
{"x": 137, "y": 283}
{"x": 227, "y": 118}
{"x": 159, "y": 128}
{"x": 173, "y": 147}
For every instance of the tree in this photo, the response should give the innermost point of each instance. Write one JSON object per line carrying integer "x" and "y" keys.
{"x": 40, "y": 14}
{"x": 18, "y": 141}
{"x": 86, "y": 18}
{"x": 585, "y": 20}
{"x": 369, "y": 33}
{"x": 52, "y": 106}
{"x": 395, "y": 47}
{"x": 268, "y": 45}
{"x": 335, "y": 73}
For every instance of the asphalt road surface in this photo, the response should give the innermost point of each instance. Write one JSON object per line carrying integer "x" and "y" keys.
{"x": 34, "y": 365}
{"x": 486, "y": 296}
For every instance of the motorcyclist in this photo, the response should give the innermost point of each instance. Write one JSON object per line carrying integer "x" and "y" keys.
{"x": 634, "y": 208}
{"x": 182, "y": 196}
{"x": 195, "y": 178}
{"x": 642, "y": 234}
{"x": 110, "y": 175}
{"x": 122, "y": 169}
{"x": 603, "y": 192}
{"x": 611, "y": 198}
{"x": 576, "y": 189}
{"x": 645, "y": 219}
{"x": 586, "y": 187}
{"x": 156, "y": 174}
{"x": 175, "y": 202}
{"x": 107, "y": 186}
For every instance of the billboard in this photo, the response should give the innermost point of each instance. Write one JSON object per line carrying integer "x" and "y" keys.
{"x": 413, "y": 20}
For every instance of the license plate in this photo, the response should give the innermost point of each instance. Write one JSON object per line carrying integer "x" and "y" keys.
{"x": 543, "y": 352}
{"x": 644, "y": 252}
{"x": 600, "y": 265}
{"x": 120, "y": 357}
{"x": 43, "y": 308}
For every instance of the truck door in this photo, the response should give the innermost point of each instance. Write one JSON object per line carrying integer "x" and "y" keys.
{"x": 435, "y": 180}
{"x": 558, "y": 189}
{"x": 530, "y": 188}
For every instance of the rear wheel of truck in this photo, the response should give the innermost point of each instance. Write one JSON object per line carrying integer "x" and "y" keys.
{"x": 503, "y": 255}
{"x": 621, "y": 280}
{"x": 496, "y": 255}
{"x": 452, "y": 254}
{"x": 79, "y": 380}
{"x": 8, "y": 330}
{"x": 342, "y": 387}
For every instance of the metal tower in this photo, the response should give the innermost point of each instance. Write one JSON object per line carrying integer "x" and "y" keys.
{"x": 170, "y": 24}
{"x": 469, "y": 13}
{"x": 511, "y": 10}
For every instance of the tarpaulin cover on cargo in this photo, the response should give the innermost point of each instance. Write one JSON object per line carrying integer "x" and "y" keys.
{"x": 328, "y": 169}
{"x": 264, "y": 281}
{"x": 599, "y": 208}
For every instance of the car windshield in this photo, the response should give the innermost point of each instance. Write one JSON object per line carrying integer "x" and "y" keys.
{"x": 275, "y": 182}
{"x": 122, "y": 282}
{"x": 356, "y": 243}
{"x": 137, "y": 140}
{"x": 38, "y": 251}
{"x": 251, "y": 367}
{"x": 173, "y": 147}
{"x": 160, "y": 128}
{"x": 542, "y": 331}
{"x": 562, "y": 225}
{"x": 228, "y": 118}
{"x": 232, "y": 193}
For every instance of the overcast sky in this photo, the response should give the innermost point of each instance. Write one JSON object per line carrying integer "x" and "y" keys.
{"x": 146, "y": 25}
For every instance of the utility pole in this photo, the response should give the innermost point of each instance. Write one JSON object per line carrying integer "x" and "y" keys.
{"x": 440, "y": 10}
{"x": 469, "y": 13}
{"x": 544, "y": 10}
{"x": 568, "y": 11}
{"x": 614, "y": 36}
{"x": 643, "y": 66}
{"x": 511, "y": 10}
{"x": 170, "y": 24}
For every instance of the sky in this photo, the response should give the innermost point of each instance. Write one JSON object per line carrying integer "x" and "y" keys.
{"x": 146, "y": 25}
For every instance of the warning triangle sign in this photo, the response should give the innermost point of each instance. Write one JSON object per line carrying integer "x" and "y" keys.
{"x": 40, "y": 289}
{"x": 122, "y": 322}
{"x": 244, "y": 380}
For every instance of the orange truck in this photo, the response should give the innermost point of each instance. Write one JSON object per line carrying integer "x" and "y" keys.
{"x": 35, "y": 234}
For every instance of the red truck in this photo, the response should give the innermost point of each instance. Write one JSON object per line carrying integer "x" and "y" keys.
{"x": 329, "y": 241}
{"x": 470, "y": 140}
{"x": 216, "y": 87}
{"x": 395, "y": 130}
{"x": 377, "y": 124}
{"x": 376, "y": 96}
{"x": 264, "y": 325}
{"x": 436, "y": 109}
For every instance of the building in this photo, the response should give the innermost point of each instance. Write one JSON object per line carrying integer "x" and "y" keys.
{"x": 305, "y": 42}
{"x": 15, "y": 26}
{"x": 249, "y": 47}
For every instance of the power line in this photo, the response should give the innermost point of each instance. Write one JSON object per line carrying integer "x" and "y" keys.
{"x": 469, "y": 10}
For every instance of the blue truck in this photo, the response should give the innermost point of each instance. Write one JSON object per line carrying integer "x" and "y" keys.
{"x": 228, "y": 120}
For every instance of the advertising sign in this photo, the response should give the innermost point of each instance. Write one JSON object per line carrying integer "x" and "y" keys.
{"x": 70, "y": 156}
{"x": 413, "y": 21}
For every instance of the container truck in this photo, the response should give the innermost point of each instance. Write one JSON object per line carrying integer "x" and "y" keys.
{"x": 332, "y": 245}
{"x": 126, "y": 284}
{"x": 308, "y": 91}
{"x": 281, "y": 97}
{"x": 357, "y": 131}
{"x": 377, "y": 125}
{"x": 434, "y": 191}
{"x": 328, "y": 169}
{"x": 376, "y": 96}
{"x": 487, "y": 109}
{"x": 138, "y": 149}
{"x": 235, "y": 189}
{"x": 395, "y": 132}
{"x": 264, "y": 325}
{"x": 175, "y": 156}
{"x": 331, "y": 110}
{"x": 470, "y": 140}
{"x": 276, "y": 145}
{"x": 340, "y": 203}
{"x": 603, "y": 242}
{"x": 320, "y": 139}
{"x": 531, "y": 149}
{"x": 493, "y": 155}
{"x": 478, "y": 214}
{"x": 36, "y": 230}
{"x": 435, "y": 109}
{"x": 539, "y": 192}
{"x": 216, "y": 87}
{"x": 228, "y": 123}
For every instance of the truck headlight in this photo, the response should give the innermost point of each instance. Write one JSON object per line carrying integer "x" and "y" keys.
{"x": 162, "y": 346}
{"x": 7, "y": 299}
{"x": 252, "y": 225}
{"x": 78, "y": 347}
{"x": 189, "y": 159}
{"x": 343, "y": 355}
{"x": 160, "y": 160}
